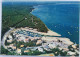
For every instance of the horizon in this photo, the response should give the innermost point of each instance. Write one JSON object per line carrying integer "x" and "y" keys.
{"x": 36, "y": 0}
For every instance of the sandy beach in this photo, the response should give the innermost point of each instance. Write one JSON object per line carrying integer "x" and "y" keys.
{"x": 51, "y": 33}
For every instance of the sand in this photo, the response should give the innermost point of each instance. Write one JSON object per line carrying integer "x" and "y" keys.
{"x": 51, "y": 33}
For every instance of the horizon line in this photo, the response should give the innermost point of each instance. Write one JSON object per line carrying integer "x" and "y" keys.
{"x": 42, "y": 1}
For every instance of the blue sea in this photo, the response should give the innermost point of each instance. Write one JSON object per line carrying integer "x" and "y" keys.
{"x": 62, "y": 18}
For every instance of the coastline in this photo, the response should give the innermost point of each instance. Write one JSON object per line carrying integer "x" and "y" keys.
{"x": 50, "y": 32}
{"x": 32, "y": 10}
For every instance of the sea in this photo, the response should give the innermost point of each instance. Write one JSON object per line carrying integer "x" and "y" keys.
{"x": 63, "y": 18}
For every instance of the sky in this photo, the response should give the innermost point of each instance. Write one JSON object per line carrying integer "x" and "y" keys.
{"x": 38, "y": 0}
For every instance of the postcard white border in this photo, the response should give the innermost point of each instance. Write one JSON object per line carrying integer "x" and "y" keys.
{"x": 30, "y": 56}
{"x": 0, "y": 21}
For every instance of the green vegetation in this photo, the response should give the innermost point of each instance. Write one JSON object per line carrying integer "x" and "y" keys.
{"x": 71, "y": 48}
{"x": 77, "y": 54}
{"x": 27, "y": 44}
{"x": 11, "y": 53}
{"x": 6, "y": 52}
{"x": 36, "y": 52}
{"x": 6, "y": 43}
{"x": 14, "y": 16}
{"x": 77, "y": 45}
{"x": 3, "y": 50}
{"x": 56, "y": 52}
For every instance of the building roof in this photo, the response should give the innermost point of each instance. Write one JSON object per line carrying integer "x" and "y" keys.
{"x": 26, "y": 51}
{"x": 39, "y": 42}
{"x": 13, "y": 47}
{"x": 51, "y": 55}
{"x": 73, "y": 46}
{"x": 26, "y": 39}
{"x": 18, "y": 50}
{"x": 71, "y": 53}
{"x": 21, "y": 45}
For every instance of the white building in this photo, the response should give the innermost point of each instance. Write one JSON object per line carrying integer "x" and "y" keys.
{"x": 40, "y": 49}
{"x": 10, "y": 37}
{"x": 19, "y": 51}
{"x": 71, "y": 53}
{"x": 52, "y": 46}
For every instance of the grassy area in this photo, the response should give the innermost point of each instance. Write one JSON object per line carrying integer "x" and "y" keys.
{"x": 12, "y": 14}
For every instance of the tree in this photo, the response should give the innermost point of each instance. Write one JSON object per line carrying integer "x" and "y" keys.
{"x": 6, "y": 43}
{"x": 63, "y": 53}
{"x": 3, "y": 50}
{"x": 11, "y": 53}
{"x": 36, "y": 52}
{"x": 77, "y": 46}
{"x": 77, "y": 54}
{"x": 57, "y": 52}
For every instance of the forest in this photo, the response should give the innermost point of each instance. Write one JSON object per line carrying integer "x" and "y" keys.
{"x": 14, "y": 14}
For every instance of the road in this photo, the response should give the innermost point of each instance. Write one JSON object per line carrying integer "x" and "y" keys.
{"x": 5, "y": 36}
